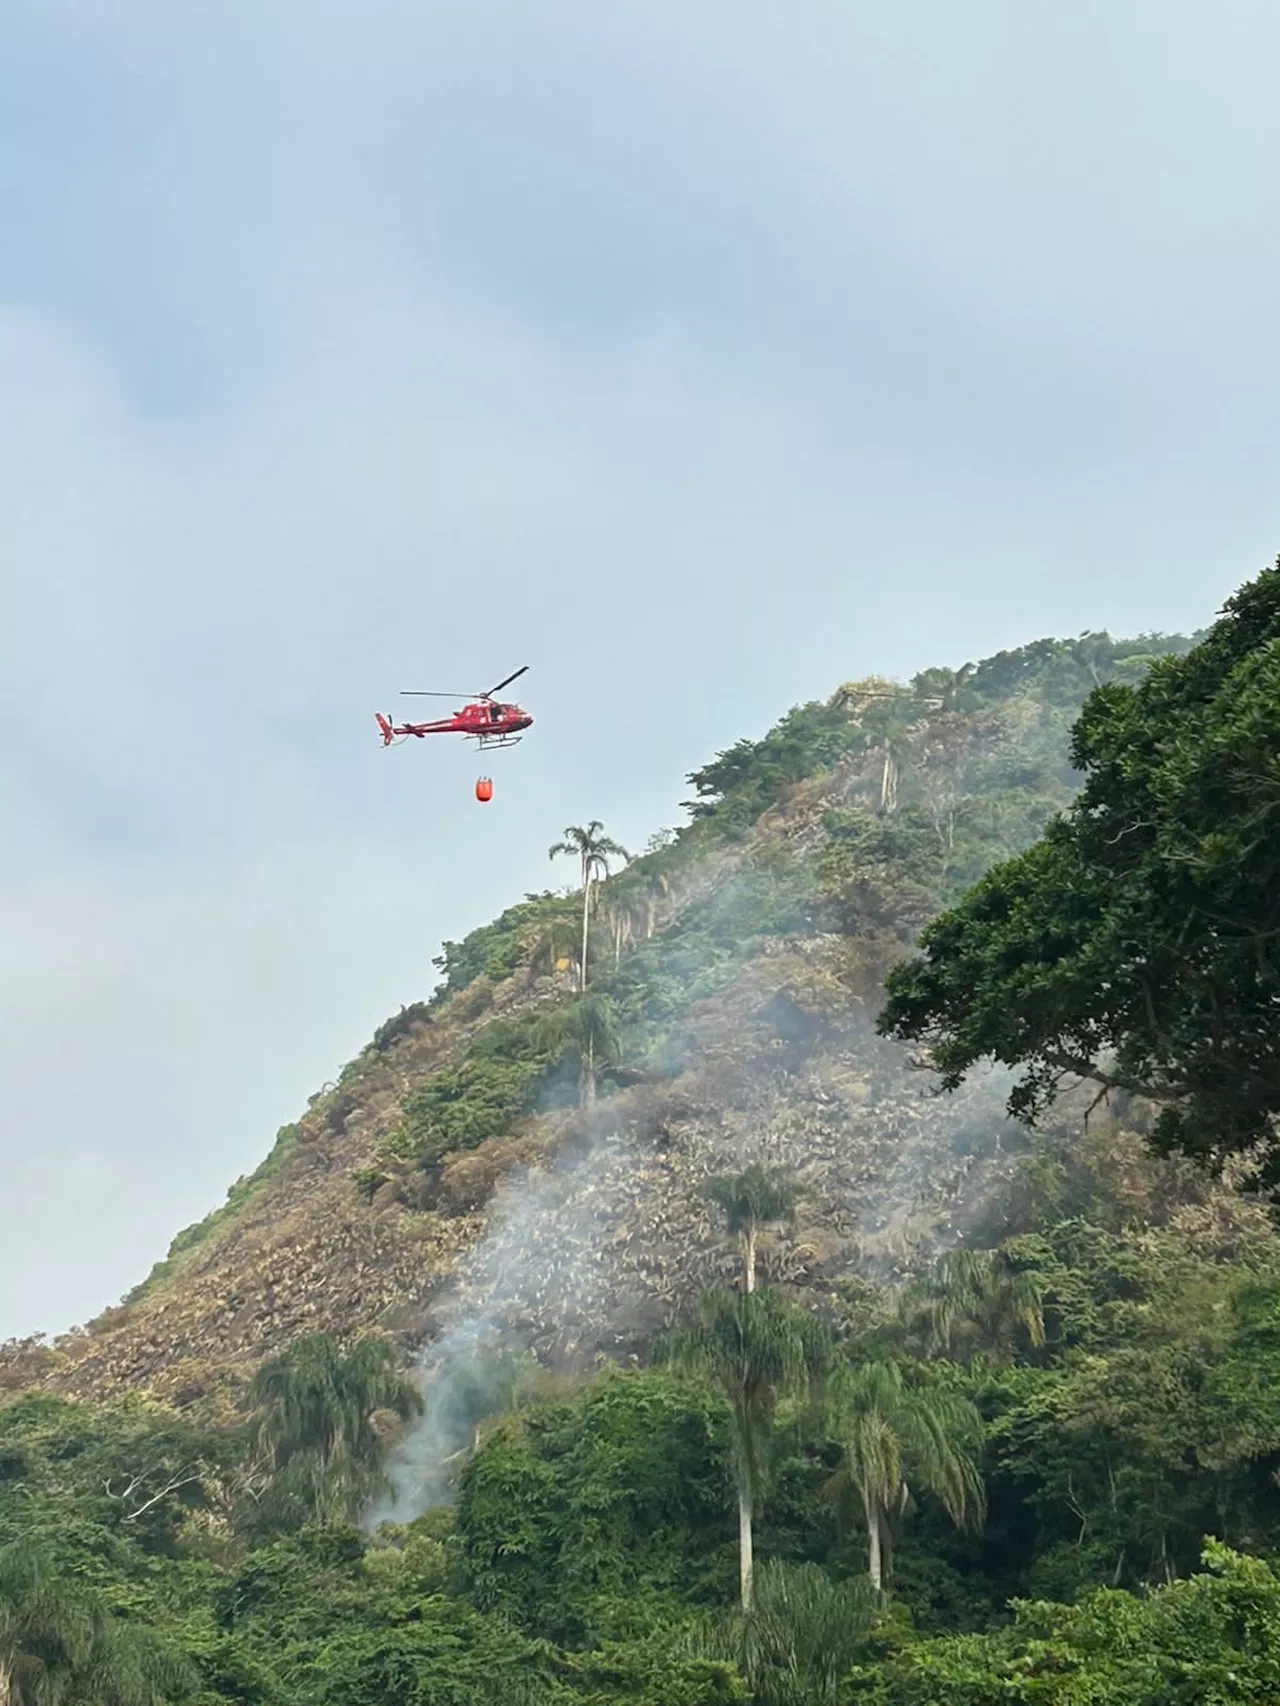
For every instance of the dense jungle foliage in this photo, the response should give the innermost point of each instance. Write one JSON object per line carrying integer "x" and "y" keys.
{"x": 1046, "y": 1471}
{"x": 1112, "y": 1382}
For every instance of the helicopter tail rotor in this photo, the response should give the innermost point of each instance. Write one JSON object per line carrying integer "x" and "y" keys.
{"x": 384, "y": 724}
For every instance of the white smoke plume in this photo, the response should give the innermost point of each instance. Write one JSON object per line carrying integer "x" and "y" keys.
{"x": 591, "y": 1255}
{"x": 540, "y": 1260}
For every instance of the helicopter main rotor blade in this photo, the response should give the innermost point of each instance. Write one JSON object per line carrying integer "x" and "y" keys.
{"x": 426, "y": 693}
{"x": 506, "y": 683}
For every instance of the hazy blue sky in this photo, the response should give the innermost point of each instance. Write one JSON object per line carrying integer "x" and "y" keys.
{"x": 701, "y": 356}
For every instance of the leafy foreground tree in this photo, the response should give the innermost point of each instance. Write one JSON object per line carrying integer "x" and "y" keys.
{"x": 758, "y": 1196}
{"x": 58, "y": 1643}
{"x": 315, "y": 1407}
{"x": 892, "y": 1435}
{"x": 591, "y": 1520}
{"x": 593, "y": 850}
{"x": 1136, "y": 944}
{"x": 756, "y": 1347}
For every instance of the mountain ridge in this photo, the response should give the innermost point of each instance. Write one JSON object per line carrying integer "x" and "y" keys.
{"x": 741, "y": 957}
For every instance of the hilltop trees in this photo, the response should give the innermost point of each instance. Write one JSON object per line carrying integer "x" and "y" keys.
{"x": 593, "y": 849}
{"x": 1136, "y": 943}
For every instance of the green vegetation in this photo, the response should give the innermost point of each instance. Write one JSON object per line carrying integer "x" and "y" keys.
{"x": 895, "y": 1433}
{"x": 584, "y": 1032}
{"x": 495, "y": 950}
{"x": 1136, "y": 943}
{"x": 58, "y": 1641}
{"x": 1045, "y": 1471}
{"x": 1067, "y": 1423}
{"x": 499, "y": 1078}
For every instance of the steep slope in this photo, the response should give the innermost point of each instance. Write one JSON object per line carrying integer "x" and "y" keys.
{"x": 735, "y": 975}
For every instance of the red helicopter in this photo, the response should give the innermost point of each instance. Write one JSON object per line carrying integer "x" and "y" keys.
{"x": 483, "y": 720}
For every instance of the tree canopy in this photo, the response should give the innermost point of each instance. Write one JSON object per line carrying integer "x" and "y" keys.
{"x": 1137, "y": 943}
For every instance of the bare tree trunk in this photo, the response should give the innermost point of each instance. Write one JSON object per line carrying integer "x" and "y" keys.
{"x": 875, "y": 1566}
{"x": 746, "y": 1561}
{"x": 586, "y": 915}
{"x": 749, "y": 1256}
{"x": 889, "y": 783}
{"x": 8, "y": 1691}
{"x": 589, "y": 1073}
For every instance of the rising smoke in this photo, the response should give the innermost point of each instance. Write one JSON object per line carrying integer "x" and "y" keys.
{"x": 540, "y": 1260}
{"x": 589, "y": 1256}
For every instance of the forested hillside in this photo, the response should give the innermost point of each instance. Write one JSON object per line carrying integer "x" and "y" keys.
{"x": 632, "y": 1320}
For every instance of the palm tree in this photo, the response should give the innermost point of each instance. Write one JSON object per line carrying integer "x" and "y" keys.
{"x": 131, "y": 1667}
{"x": 593, "y": 850}
{"x": 315, "y": 1407}
{"x": 975, "y": 1298}
{"x": 757, "y": 1197}
{"x": 799, "y": 1639}
{"x": 46, "y": 1629}
{"x": 587, "y": 1028}
{"x": 58, "y": 1640}
{"x": 892, "y": 1435}
{"x": 756, "y": 1347}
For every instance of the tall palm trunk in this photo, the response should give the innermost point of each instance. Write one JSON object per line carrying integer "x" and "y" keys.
{"x": 749, "y": 1256}
{"x": 586, "y": 919}
{"x": 889, "y": 783}
{"x": 589, "y": 1072}
{"x": 875, "y": 1561}
{"x": 746, "y": 1562}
